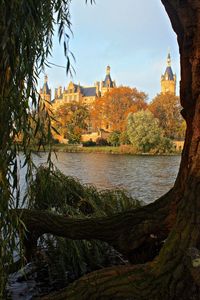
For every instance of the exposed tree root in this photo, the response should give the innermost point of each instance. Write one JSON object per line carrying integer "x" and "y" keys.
{"x": 110, "y": 283}
{"x": 140, "y": 282}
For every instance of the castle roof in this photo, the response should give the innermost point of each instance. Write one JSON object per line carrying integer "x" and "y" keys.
{"x": 107, "y": 81}
{"x": 85, "y": 91}
{"x": 88, "y": 91}
{"x": 45, "y": 89}
{"x": 168, "y": 75}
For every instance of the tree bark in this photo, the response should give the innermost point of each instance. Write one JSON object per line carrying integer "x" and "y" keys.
{"x": 128, "y": 232}
{"x": 173, "y": 274}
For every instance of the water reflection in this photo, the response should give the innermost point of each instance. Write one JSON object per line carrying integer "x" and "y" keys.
{"x": 145, "y": 177}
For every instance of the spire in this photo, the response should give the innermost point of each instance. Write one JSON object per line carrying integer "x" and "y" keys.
{"x": 168, "y": 60}
{"x": 45, "y": 78}
{"x": 168, "y": 75}
{"x": 108, "y": 70}
{"x": 108, "y": 81}
{"x": 45, "y": 89}
{"x": 168, "y": 79}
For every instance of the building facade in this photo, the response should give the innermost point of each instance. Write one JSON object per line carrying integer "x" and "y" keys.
{"x": 83, "y": 94}
{"x": 168, "y": 79}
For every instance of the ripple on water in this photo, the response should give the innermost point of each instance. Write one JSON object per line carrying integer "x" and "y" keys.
{"x": 144, "y": 177}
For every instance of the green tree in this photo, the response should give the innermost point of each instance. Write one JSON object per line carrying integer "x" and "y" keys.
{"x": 124, "y": 139}
{"x": 144, "y": 131}
{"x": 114, "y": 138}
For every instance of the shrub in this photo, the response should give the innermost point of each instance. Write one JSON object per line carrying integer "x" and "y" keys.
{"x": 128, "y": 149}
{"x": 89, "y": 143}
{"x": 165, "y": 146}
{"x": 101, "y": 142}
{"x": 55, "y": 141}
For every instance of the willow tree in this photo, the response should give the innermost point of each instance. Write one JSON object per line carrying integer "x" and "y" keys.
{"x": 170, "y": 224}
{"x": 26, "y": 30}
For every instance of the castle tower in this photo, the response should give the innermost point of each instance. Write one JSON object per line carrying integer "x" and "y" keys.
{"x": 168, "y": 80}
{"x": 45, "y": 92}
{"x": 107, "y": 84}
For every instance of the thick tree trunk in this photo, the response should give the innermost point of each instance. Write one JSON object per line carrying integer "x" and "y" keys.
{"x": 175, "y": 272}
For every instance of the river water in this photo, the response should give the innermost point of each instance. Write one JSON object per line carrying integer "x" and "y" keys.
{"x": 144, "y": 177}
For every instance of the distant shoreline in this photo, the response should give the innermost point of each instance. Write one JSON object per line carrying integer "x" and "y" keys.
{"x": 124, "y": 149}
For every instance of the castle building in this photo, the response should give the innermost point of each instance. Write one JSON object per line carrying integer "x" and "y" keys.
{"x": 83, "y": 94}
{"x": 89, "y": 94}
{"x": 168, "y": 80}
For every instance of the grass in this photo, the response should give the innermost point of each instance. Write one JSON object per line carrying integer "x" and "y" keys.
{"x": 123, "y": 149}
{"x": 93, "y": 149}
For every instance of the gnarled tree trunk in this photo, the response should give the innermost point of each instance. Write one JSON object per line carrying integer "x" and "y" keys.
{"x": 175, "y": 272}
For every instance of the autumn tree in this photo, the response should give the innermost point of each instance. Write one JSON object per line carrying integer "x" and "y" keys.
{"x": 167, "y": 108}
{"x": 170, "y": 225}
{"x": 71, "y": 120}
{"x": 111, "y": 110}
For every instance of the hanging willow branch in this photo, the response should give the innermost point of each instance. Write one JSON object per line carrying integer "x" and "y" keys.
{"x": 26, "y": 30}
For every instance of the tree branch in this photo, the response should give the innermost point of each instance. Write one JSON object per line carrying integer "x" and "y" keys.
{"x": 125, "y": 231}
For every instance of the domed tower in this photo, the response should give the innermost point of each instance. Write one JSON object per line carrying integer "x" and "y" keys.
{"x": 168, "y": 80}
{"x": 107, "y": 84}
{"x": 45, "y": 91}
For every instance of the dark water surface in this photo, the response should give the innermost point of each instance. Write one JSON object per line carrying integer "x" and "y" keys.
{"x": 144, "y": 177}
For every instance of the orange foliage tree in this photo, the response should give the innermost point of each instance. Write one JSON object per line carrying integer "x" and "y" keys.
{"x": 166, "y": 107}
{"x": 71, "y": 120}
{"x": 110, "y": 111}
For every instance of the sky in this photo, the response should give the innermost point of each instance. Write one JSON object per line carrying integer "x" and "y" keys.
{"x": 132, "y": 36}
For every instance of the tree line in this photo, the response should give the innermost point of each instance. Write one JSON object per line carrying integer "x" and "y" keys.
{"x": 127, "y": 115}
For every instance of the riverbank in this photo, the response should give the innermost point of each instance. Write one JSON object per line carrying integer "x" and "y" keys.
{"x": 123, "y": 149}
